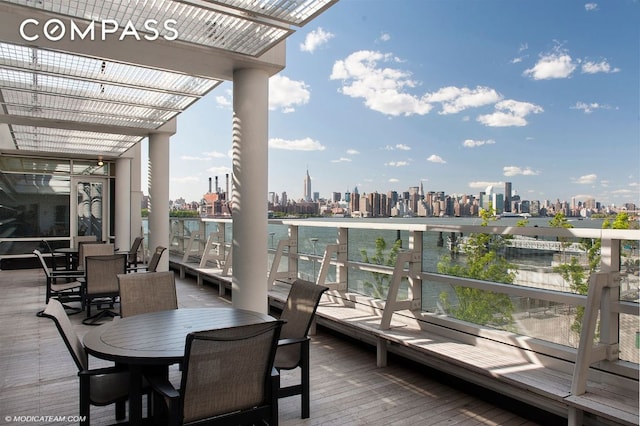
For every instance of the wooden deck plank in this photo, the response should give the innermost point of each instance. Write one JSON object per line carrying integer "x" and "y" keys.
{"x": 39, "y": 377}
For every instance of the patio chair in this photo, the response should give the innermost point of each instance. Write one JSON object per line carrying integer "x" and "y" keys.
{"x": 60, "y": 285}
{"x": 55, "y": 257}
{"x": 132, "y": 254}
{"x": 100, "y": 387}
{"x": 101, "y": 285}
{"x": 150, "y": 292}
{"x": 227, "y": 378}
{"x": 92, "y": 249}
{"x": 153, "y": 262}
{"x": 293, "y": 347}
{"x": 84, "y": 238}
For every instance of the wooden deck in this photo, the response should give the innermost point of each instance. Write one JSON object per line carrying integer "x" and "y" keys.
{"x": 39, "y": 377}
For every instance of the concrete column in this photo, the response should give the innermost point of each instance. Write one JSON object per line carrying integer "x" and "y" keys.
{"x": 250, "y": 174}
{"x": 159, "y": 195}
{"x": 136, "y": 193}
{"x": 123, "y": 204}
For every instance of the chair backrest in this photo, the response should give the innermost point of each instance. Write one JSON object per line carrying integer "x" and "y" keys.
{"x": 155, "y": 259}
{"x": 43, "y": 262}
{"x": 133, "y": 252}
{"x": 300, "y": 308}
{"x": 147, "y": 292}
{"x": 84, "y": 238}
{"x": 298, "y": 312}
{"x": 49, "y": 249}
{"x": 101, "y": 273}
{"x": 92, "y": 249}
{"x": 56, "y": 312}
{"x": 237, "y": 361}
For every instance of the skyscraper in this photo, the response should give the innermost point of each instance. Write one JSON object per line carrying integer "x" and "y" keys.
{"x": 507, "y": 196}
{"x": 307, "y": 187}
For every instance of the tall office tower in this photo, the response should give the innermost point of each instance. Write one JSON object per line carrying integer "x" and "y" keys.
{"x": 307, "y": 187}
{"x": 347, "y": 197}
{"x": 392, "y": 197}
{"x": 335, "y": 197}
{"x": 507, "y": 196}
{"x": 284, "y": 199}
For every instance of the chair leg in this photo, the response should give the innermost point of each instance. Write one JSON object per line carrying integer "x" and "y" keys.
{"x": 304, "y": 375}
{"x": 121, "y": 410}
{"x": 84, "y": 402}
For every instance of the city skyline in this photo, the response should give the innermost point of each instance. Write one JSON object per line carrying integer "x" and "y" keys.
{"x": 384, "y": 95}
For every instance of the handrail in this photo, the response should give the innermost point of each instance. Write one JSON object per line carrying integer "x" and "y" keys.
{"x": 334, "y": 260}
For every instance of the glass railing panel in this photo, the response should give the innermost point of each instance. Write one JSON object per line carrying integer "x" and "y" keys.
{"x": 629, "y": 338}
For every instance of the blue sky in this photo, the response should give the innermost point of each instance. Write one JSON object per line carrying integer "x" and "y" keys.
{"x": 456, "y": 94}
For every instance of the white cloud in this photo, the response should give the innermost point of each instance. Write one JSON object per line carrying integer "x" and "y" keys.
{"x": 555, "y": 64}
{"x": 383, "y": 89}
{"x": 484, "y": 184}
{"x": 225, "y": 101}
{"x": 219, "y": 170}
{"x": 433, "y": 158}
{"x": 590, "y": 6}
{"x": 394, "y": 180}
{"x": 470, "y": 143}
{"x": 306, "y": 144}
{"x": 315, "y": 39}
{"x": 385, "y": 37}
{"x": 397, "y": 163}
{"x": 342, "y": 160}
{"x": 588, "y": 108}
{"x": 285, "y": 94}
{"x": 192, "y": 158}
{"x": 598, "y": 67}
{"x": 510, "y": 113}
{"x": 456, "y": 99}
{"x": 399, "y": 146}
{"x": 215, "y": 154}
{"x": 352, "y": 152}
{"x": 586, "y": 179}
{"x": 522, "y": 48}
{"x": 516, "y": 171}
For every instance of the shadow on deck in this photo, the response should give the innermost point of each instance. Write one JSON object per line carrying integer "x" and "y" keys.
{"x": 39, "y": 377}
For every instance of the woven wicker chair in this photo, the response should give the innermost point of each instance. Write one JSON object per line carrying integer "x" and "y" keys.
{"x": 101, "y": 284}
{"x": 150, "y": 292}
{"x": 293, "y": 347}
{"x": 100, "y": 387}
{"x": 227, "y": 378}
{"x": 60, "y": 285}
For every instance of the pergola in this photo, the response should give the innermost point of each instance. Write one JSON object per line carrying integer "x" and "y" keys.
{"x": 92, "y": 79}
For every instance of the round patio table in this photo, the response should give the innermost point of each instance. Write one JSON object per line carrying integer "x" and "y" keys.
{"x": 158, "y": 338}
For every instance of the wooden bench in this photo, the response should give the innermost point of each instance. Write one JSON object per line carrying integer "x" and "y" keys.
{"x": 521, "y": 374}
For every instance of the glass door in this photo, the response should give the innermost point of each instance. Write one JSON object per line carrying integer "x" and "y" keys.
{"x": 90, "y": 207}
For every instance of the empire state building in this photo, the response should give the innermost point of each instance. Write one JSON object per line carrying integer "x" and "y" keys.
{"x": 307, "y": 187}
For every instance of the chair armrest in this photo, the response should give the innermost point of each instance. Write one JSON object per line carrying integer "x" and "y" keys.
{"x": 163, "y": 386}
{"x": 293, "y": 341}
{"x": 104, "y": 370}
{"x": 66, "y": 274}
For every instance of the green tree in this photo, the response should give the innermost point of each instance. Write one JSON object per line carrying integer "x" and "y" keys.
{"x": 578, "y": 275}
{"x": 482, "y": 261}
{"x": 380, "y": 285}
